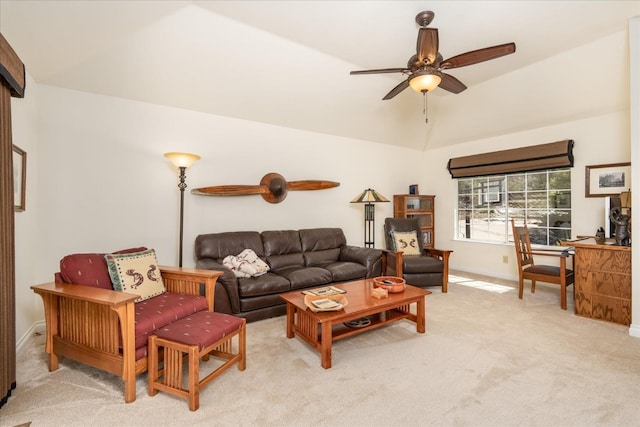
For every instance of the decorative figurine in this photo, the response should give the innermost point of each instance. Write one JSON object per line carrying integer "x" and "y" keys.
{"x": 622, "y": 226}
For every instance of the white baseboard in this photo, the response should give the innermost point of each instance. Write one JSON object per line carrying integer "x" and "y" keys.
{"x": 634, "y": 330}
{"x": 39, "y": 327}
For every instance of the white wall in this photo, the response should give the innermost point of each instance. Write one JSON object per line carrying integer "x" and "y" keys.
{"x": 24, "y": 133}
{"x": 102, "y": 183}
{"x": 598, "y": 140}
{"x": 556, "y": 90}
{"x": 97, "y": 180}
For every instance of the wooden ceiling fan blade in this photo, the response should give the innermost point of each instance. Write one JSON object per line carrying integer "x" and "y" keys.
{"x": 380, "y": 71}
{"x": 480, "y": 55}
{"x": 451, "y": 84}
{"x": 396, "y": 90}
{"x": 311, "y": 184}
{"x": 427, "y": 45}
{"x": 230, "y": 190}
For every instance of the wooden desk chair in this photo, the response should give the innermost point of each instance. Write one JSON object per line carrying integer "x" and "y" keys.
{"x": 527, "y": 269}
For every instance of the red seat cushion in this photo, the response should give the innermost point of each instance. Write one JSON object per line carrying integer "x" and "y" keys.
{"x": 202, "y": 329}
{"x": 163, "y": 309}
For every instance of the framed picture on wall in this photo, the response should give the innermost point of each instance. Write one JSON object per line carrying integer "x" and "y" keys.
{"x": 19, "y": 178}
{"x": 607, "y": 180}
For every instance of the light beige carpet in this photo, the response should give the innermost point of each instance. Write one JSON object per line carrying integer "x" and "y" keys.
{"x": 487, "y": 359}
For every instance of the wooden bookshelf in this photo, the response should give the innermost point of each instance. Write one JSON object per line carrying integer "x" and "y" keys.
{"x": 417, "y": 206}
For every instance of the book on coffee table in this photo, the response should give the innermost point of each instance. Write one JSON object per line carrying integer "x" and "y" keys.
{"x": 327, "y": 290}
{"x": 327, "y": 304}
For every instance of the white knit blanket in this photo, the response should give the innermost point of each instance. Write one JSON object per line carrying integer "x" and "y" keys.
{"x": 245, "y": 264}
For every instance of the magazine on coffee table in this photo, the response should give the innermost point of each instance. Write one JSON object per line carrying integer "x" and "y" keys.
{"x": 324, "y": 291}
{"x": 327, "y": 304}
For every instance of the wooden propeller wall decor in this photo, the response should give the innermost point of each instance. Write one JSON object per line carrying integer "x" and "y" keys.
{"x": 273, "y": 188}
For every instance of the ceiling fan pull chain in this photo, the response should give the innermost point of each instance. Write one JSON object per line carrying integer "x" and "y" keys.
{"x": 424, "y": 108}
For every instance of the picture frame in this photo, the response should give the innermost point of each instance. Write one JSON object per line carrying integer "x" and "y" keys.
{"x": 413, "y": 189}
{"x": 609, "y": 179}
{"x": 19, "y": 178}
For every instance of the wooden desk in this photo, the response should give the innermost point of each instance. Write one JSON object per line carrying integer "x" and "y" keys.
{"x": 602, "y": 280}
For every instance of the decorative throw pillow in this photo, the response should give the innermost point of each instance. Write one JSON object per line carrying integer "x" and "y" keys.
{"x": 136, "y": 273}
{"x": 406, "y": 242}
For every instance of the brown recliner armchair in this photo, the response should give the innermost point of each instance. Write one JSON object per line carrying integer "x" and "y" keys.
{"x": 428, "y": 268}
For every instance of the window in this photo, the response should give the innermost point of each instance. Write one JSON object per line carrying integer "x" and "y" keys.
{"x": 540, "y": 199}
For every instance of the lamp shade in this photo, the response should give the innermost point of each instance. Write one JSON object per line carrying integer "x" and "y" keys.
{"x": 182, "y": 160}
{"x": 369, "y": 196}
{"x": 425, "y": 81}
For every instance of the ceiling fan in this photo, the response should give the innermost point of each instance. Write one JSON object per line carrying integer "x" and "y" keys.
{"x": 273, "y": 188}
{"x": 425, "y": 69}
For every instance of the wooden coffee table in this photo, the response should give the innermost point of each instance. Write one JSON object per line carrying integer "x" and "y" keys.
{"x": 321, "y": 329}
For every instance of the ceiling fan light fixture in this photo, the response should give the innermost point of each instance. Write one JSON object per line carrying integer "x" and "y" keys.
{"x": 425, "y": 81}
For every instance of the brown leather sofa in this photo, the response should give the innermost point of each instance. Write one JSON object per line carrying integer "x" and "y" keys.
{"x": 298, "y": 259}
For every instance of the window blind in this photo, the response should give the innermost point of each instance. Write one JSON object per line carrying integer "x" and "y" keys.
{"x": 552, "y": 155}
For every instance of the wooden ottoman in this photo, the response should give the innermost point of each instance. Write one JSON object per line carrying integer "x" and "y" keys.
{"x": 202, "y": 334}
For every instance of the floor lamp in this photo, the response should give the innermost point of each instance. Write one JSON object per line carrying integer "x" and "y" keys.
{"x": 182, "y": 161}
{"x": 369, "y": 197}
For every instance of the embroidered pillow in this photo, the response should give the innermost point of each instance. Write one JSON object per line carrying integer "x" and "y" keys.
{"x": 406, "y": 242}
{"x": 136, "y": 273}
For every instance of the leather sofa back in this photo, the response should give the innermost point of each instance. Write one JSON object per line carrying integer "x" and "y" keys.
{"x": 318, "y": 239}
{"x": 321, "y": 245}
{"x": 219, "y": 245}
{"x": 282, "y": 248}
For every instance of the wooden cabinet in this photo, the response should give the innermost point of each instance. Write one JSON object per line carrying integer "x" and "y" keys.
{"x": 417, "y": 206}
{"x": 602, "y": 280}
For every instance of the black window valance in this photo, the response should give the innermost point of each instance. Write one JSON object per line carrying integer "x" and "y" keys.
{"x": 553, "y": 155}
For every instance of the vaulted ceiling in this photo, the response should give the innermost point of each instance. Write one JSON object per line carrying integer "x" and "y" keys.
{"x": 287, "y": 63}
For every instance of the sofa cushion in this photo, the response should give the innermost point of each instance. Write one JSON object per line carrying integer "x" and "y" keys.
{"x": 281, "y": 242}
{"x": 342, "y": 271}
{"x": 137, "y": 273}
{"x": 406, "y": 242}
{"x": 89, "y": 269}
{"x": 266, "y": 284}
{"x": 321, "y": 257}
{"x": 282, "y": 248}
{"x": 278, "y": 262}
{"x": 304, "y": 277}
{"x": 318, "y": 239}
{"x": 202, "y": 328}
{"x": 421, "y": 264}
{"x": 161, "y": 310}
{"x": 219, "y": 245}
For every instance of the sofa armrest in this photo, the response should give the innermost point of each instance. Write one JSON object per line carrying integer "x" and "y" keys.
{"x": 227, "y": 298}
{"x": 442, "y": 255}
{"x": 187, "y": 281}
{"x": 369, "y": 257}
